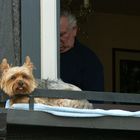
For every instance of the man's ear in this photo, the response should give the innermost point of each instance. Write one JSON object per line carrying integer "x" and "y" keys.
{"x": 4, "y": 66}
{"x": 75, "y": 29}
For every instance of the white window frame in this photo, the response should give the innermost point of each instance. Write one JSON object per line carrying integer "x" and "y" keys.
{"x": 40, "y": 36}
{"x": 49, "y": 38}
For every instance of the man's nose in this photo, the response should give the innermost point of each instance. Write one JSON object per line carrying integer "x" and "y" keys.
{"x": 61, "y": 39}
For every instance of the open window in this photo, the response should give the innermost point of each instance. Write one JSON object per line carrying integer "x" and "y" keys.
{"x": 40, "y": 36}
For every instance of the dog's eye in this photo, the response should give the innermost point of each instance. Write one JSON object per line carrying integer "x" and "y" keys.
{"x": 25, "y": 77}
{"x": 13, "y": 77}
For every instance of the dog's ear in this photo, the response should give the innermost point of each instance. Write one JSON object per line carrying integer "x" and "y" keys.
{"x": 4, "y": 66}
{"x": 28, "y": 63}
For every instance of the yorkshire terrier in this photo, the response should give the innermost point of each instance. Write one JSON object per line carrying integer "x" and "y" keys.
{"x": 18, "y": 82}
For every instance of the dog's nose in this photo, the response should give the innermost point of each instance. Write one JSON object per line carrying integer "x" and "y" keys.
{"x": 20, "y": 83}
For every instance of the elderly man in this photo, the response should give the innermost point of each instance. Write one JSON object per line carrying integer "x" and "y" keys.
{"x": 78, "y": 64}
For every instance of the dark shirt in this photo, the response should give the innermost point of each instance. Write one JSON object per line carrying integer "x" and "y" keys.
{"x": 81, "y": 67}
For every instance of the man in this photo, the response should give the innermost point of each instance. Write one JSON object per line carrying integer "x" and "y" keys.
{"x": 78, "y": 64}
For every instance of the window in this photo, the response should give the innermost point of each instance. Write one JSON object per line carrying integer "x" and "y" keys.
{"x": 39, "y": 36}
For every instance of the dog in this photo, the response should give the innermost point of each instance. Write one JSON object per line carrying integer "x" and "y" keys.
{"x": 18, "y": 82}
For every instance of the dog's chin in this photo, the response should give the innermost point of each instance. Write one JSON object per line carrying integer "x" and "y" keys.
{"x": 21, "y": 90}
{"x": 25, "y": 89}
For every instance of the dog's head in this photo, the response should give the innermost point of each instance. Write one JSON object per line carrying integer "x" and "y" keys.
{"x": 18, "y": 79}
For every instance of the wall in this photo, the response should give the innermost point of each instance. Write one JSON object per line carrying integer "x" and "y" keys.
{"x": 30, "y": 33}
{"x": 9, "y": 31}
{"x": 102, "y": 32}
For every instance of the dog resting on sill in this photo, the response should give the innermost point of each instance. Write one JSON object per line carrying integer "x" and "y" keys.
{"x": 17, "y": 81}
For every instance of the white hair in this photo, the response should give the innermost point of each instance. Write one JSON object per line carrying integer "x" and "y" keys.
{"x": 71, "y": 18}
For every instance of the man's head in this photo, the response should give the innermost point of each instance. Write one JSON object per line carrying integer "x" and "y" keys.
{"x": 68, "y": 31}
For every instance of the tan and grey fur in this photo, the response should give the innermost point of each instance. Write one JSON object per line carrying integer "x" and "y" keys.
{"x": 18, "y": 81}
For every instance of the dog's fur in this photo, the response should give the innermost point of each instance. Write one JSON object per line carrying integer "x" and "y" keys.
{"x": 19, "y": 81}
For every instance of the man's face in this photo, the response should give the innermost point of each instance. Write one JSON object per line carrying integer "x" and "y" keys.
{"x": 67, "y": 35}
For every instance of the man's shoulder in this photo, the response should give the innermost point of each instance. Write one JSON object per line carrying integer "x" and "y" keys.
{"x": 85, "y": 50}
{"x": 87, "y": 54}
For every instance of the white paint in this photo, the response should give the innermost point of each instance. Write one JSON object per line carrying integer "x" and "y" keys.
{"x": 48, "y": 15}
